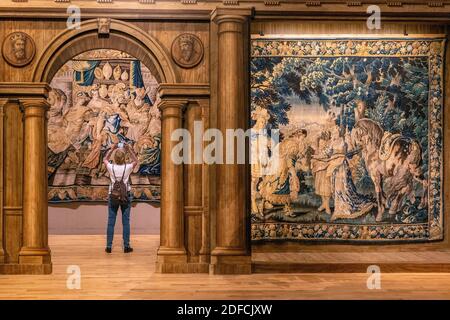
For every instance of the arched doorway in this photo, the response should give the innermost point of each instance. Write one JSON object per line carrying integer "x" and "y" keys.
{"x": 99, "y": 98}
{"x": 191, "y": 227}
{"x": 34, "y": 252}
{"x": 122, "y": 36}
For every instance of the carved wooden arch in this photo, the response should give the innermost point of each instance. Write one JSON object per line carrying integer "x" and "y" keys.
{"x": 123, "y": 36}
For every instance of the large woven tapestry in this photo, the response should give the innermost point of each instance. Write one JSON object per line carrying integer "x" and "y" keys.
{"x": 360, "y": 139}
{"x": 99, "y": 98}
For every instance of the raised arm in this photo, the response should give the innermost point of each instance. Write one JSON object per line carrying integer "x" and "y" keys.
{"x": 133, "y": 155}
{"x": 108, "y": 154}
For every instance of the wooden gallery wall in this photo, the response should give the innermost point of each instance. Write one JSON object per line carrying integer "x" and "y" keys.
{"x": 185, "y": 98}
{"x": 315, "y": 27}
{"x": 205, "y": 218}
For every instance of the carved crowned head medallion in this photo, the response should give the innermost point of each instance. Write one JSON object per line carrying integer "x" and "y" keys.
{"x": 18, "y": 49}
{"x": 187, "y": 50}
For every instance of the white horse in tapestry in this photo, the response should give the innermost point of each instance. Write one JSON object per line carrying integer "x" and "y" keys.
{"x": 393, "y": 157}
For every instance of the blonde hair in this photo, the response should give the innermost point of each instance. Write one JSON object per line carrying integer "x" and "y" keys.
{"x": 119, "y": 157}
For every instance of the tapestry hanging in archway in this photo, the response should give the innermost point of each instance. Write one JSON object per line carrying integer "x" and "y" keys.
{"x": 99, "y": 98}
{"x": 359, "y": 139}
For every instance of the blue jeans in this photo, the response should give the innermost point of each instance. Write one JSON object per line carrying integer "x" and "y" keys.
{"x": 112, "y": 214}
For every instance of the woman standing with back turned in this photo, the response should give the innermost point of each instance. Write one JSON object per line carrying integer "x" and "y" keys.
{"x": 119, "y": 172}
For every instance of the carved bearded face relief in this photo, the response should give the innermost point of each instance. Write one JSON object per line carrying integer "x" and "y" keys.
{"x": 18, "y": 47}
{"x": 103, "y": 26}
{"x": 186, "y": 44}
{"x": 187, "y": 50}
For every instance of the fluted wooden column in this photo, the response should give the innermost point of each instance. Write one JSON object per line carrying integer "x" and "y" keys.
{"x": 172, "y": 252}
{"x": 232, "y": 252}
{"x": 35, "y": 211}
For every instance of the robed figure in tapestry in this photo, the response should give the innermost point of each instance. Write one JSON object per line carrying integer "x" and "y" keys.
{"x": 360, "y": 150}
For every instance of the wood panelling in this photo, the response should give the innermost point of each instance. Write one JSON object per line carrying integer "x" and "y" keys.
{"x": 205, "y": 248}
{"x": 2, "y": 251}
{"x": 344, "y": 262}
{"x": 165, "y": 32}
{"x": 43, "y": 32}
{"x": 193, "y": 192}
{"x": 150, "y": 42}
{"x": 321, "y": 27}
{"x": 182, "y": 197}
{"x": 201, "y": 9}
{"x": 193, "y": 171}
{"x": 207, "y": 205}
{"x": 212, "y": 189}
{"x": 13, "y": 177}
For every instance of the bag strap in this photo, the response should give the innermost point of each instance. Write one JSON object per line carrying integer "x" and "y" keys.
{"x": 123, "y": 175}
{"x": 124, "y": 169}
{"x": 114, "y": 175}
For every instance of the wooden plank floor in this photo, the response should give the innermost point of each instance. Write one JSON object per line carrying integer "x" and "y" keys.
{"x": 120, "y": 276}
{"x": 306, "y": 262}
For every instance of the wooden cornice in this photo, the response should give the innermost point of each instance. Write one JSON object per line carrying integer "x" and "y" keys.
{"x": 183, "y": 91}
{"x": 201, "y": 9}
{"x": 16, "y": 90}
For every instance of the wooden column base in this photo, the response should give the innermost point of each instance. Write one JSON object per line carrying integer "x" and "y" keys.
{"x": 34, "y": 256}
{"x": 172, "y": 260}
{"x": 168, "y": 267}
{"x": 230, "y": 264}
{"x": 15, "y": 268}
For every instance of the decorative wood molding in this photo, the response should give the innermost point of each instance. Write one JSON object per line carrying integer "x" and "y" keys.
{"x": 194, "y": 90}
{"x": 435, "y": 3}
{"x": 313, "y": 3}
{"x": 193, "y": 210}
{"x": 62, "y": 0}
{"x": 19, "y": 0}
{"x": 394, "y": 4}
{"x": 230, "y": 2}
{"x": 272, "y": 9}
{"x": 354, "y": 3}
{"x": 271, "y": 3}
{"x": 24, "y": 89}
{"x": 237, "y": 13}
